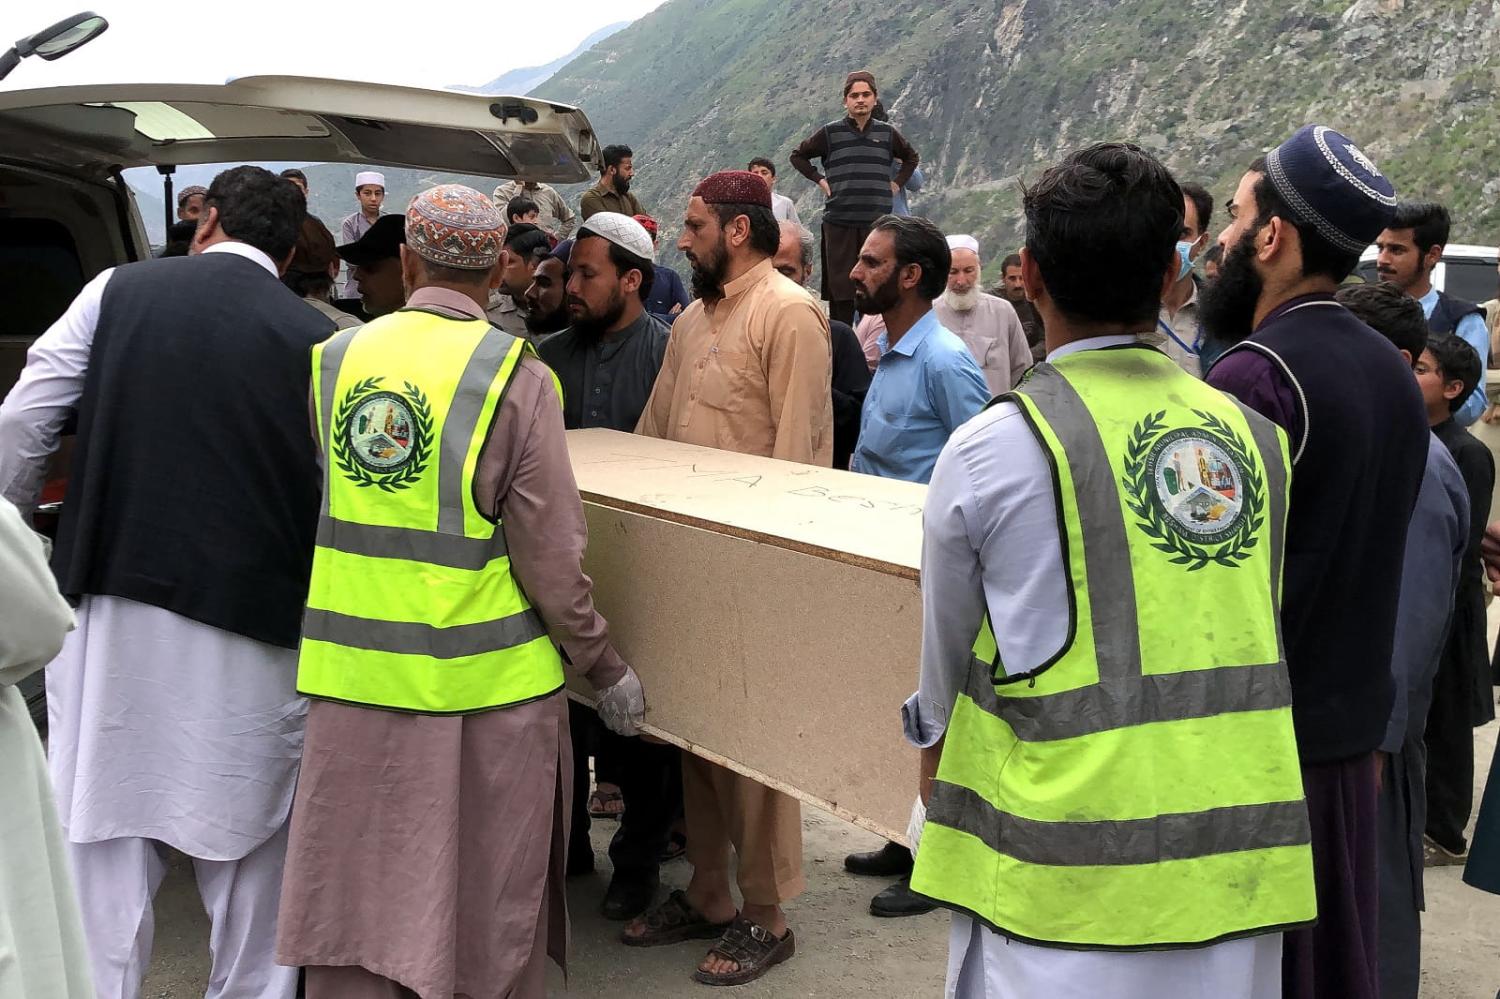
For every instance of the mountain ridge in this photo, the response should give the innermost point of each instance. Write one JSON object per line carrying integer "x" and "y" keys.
{"x": 524, "y": 80}
{"x": 990, "y": 93}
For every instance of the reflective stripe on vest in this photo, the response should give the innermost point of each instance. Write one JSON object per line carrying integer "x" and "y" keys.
{"x": 1136, "y": 791}
{"x": 412, "y": 604}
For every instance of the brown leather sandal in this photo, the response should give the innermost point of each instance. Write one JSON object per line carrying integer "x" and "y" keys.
{"x": 753, "y": 947}
{"x": 674, "y": 921}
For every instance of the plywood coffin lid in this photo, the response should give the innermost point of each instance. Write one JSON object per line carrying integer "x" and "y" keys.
{"x": 862, "y": 520}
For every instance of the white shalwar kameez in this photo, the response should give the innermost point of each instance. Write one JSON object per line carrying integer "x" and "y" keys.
{"x": 42, "y": 953}
{"x": 164, "y": 732}
{"x": 991, "y": 540}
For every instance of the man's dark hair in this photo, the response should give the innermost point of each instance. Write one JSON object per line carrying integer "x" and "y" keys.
{"x": 1102, "y": 226}
{"x": 179, "y": 239}
{"x": 612, "y": 155}
{"x": 292, "y": 173}
{"x": 919, "y": 242}
{"x": 1011, "y": 260}
{"x": 519, "y": 205}
{"x": 312, "y": 256}
{"x": 761, "y": 161}
{"x": 1457, "y": 361}
{"x": 257, "y": 208}
{"x": 1319, "y": 257}
{"x": 624, "y": 261}
{"x": 1428, "y": 221}
{"x": 765, "y": 231}
{"x": 1202, "y": 201}
{"x": 1390, "y": 312}
{"x": 526, "y": 239}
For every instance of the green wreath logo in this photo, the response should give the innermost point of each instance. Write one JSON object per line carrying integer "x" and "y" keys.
{"x": 382, "y": 438}
{"x": 1195, "y": 490}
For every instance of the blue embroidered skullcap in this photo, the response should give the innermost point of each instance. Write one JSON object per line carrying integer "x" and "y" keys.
{"x": 1333, "y": 186}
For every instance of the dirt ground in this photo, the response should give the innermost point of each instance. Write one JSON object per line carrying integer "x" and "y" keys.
{"x": 842, "y": 951}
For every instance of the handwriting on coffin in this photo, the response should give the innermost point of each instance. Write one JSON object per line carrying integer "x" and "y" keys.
{"x": 853, "y": 499}
{"x": 699, "y": 470}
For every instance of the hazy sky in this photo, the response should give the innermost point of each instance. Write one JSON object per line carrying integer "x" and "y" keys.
{"x": 209, "y": 41}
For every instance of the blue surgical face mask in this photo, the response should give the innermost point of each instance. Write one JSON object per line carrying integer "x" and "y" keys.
{"x": 1184, "y": 259}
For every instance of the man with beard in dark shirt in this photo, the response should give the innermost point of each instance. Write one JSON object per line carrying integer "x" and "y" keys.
{"x": 607, "y": 361}
{"x": 1358, "y": 433}
{"x": 546, "y": 296}
{"x": 851, "y": 376}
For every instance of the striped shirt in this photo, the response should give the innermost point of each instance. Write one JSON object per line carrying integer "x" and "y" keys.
{"x": 858, "y": 166}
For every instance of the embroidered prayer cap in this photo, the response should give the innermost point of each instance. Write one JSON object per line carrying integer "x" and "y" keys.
{"x": 964, "y": 243}
{"x": 621, "y": 230}
{"x": 188, "y": 192}
{"x": 734, "y": 187}
{"x": 561, "y": 251}
{"x": 367, "y": 177}
{"x": 1333, "y": 186}
{"x": 649, "y": 224}
{"x": 455, "y": 226}
{"x": 860, "y": 76}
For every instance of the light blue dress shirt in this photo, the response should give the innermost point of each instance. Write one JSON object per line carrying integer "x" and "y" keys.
{"x": 1473, "y": 331}
{"x": 899, "y": 203}
{"x": 925, "y": 387}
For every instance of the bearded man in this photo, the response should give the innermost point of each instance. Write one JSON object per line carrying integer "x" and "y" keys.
{"x": 988, "y": 325}
{"x": 747, "y": 369}
{"x": 546, "y": 296}
{"x": 607, "y": 361}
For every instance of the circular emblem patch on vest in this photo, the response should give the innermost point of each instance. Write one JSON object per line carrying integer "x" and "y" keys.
{"x": 382, "y": 438}
{"x": 1194, "y": 490}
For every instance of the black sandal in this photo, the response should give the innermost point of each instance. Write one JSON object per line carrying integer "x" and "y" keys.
{"x": 753, "y": 947}
{"x": 674, "y": 921}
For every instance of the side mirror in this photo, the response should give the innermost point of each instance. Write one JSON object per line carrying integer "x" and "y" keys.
{"x": 64, "y": 36}
{"x": 56, "y": 41}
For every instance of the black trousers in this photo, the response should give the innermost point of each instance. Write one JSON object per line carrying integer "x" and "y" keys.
{"x": 1450, "y": 752}
{"x": 650, "y": 780}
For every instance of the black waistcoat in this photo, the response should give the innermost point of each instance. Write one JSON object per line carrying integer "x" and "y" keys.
{"x": 1449, "y": 312}
{"x": 1359, "y": 465}
{"x": 194, "y": 485}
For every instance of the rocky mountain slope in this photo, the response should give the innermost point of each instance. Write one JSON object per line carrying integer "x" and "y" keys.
{"x": 991, "y": 91}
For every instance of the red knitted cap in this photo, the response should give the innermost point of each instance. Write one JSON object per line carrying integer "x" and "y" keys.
{"x": 734, "y": 187}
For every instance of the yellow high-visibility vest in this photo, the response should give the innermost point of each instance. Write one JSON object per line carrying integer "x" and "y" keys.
{"x": 412, "y": 604}
{"x": 1141, "y": 789}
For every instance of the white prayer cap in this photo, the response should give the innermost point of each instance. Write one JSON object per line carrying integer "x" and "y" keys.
{"x": 369, "y": 177}
{"x": 964, "y": 243}
{"x": 621, "y": 230}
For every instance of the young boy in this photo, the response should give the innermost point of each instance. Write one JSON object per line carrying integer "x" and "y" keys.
{"x": 1447, "y": 373}
{"x": 369, "y": 191}
{"x": 522, "y": 209}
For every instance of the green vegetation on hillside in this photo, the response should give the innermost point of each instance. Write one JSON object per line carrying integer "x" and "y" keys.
{"x": 993, "y": 91}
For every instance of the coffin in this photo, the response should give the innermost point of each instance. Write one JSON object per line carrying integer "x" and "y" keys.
{"x": 770, "y": 608}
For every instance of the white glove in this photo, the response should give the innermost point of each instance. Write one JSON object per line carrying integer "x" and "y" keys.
{"x": 622, "y": 707}
{"x": 915, "y": 824}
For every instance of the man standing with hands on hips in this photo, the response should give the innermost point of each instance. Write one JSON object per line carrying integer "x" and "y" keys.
{"x": 857, "y": 152}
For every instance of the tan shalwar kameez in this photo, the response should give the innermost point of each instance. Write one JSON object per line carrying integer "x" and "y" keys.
{"x": 749, "y": 373}
{"x": 427, "y": 852}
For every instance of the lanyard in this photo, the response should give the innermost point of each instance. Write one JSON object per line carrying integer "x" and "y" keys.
{"x": 1197, "y": 340}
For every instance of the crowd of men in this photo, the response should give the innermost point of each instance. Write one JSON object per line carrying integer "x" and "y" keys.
{"x": 1203, "y": 604}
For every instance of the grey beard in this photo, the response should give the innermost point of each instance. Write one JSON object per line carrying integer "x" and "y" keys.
{"x": 962, "y": 303}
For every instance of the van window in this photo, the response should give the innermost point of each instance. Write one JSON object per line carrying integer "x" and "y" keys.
{"x": 40, "y": 275}
{"x": 1472, "y": 280}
